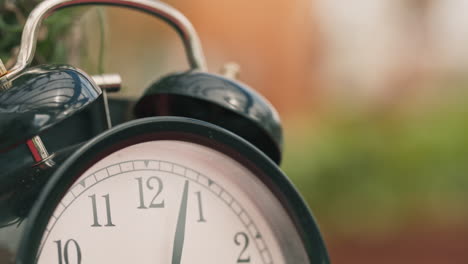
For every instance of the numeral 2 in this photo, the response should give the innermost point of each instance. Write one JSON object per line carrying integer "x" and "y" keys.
{"x": 65, "y": 256}
{"x": 95, "y": 211}
{"x": 242, "y": 259}
{"x": 149, "y": 186}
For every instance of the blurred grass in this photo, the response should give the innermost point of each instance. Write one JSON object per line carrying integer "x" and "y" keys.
{"x": 376, "y": 173}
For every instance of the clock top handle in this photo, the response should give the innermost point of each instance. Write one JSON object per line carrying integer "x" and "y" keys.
{"x": 158, "y": 9}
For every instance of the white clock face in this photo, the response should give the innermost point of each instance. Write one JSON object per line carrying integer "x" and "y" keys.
{"x": 173, "y": 202}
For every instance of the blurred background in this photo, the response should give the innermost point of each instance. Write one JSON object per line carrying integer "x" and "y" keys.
{"x": 372, "y": 94}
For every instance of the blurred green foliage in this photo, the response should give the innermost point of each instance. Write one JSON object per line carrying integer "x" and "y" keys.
{"x": 379, "y": 172}
{"x": 51, "y": 44}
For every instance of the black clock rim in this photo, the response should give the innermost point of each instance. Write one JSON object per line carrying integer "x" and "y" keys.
{"x": 179, "y": 128}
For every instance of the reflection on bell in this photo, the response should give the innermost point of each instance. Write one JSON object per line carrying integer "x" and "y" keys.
{"x": 218, "y": 100}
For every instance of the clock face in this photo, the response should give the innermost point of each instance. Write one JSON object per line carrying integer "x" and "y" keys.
{"x": 169, "y": 197}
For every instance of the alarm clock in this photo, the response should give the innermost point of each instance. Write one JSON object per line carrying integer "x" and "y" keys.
{"x": 185, "y": 188}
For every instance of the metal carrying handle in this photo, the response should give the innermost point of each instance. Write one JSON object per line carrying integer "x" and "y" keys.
{"x": 156, "y": 8}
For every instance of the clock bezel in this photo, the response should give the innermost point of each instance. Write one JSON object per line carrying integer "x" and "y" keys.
{"x": 175, "y": 128}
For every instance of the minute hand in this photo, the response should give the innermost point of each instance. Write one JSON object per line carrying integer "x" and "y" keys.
{"x": 180, "y": 228}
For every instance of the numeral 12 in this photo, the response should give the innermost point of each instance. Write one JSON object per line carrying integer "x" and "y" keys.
{"x": 152, "y": 204}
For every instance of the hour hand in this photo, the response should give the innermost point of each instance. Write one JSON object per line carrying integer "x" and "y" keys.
{"x": 180, "y": 228}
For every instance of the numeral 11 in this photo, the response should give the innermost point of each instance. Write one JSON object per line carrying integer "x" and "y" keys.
{"x": 95, "y": 213}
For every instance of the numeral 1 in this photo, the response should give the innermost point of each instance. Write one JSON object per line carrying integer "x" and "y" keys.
{"x": 65, "y": 256}
{"x": 95, "y": 213}
{"x": 200, "y": 208}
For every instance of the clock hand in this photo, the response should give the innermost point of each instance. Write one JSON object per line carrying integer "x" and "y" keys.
{"x": 180, "y": 228}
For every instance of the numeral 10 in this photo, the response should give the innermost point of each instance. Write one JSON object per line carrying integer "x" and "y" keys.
{"x": 65, "y": 257}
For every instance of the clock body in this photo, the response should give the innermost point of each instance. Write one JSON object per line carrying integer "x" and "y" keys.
{"x": 169, "y": 190}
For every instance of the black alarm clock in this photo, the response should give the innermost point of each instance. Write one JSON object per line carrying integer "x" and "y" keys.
{"x": 194, "y": 178}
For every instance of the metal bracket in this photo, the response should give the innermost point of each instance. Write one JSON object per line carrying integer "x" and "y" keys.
{"x": 156, "y": 8}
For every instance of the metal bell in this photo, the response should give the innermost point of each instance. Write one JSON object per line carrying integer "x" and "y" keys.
{"x": 219, "y": 100}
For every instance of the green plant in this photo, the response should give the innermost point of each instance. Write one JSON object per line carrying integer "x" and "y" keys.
{"x": 50, "y": 48}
